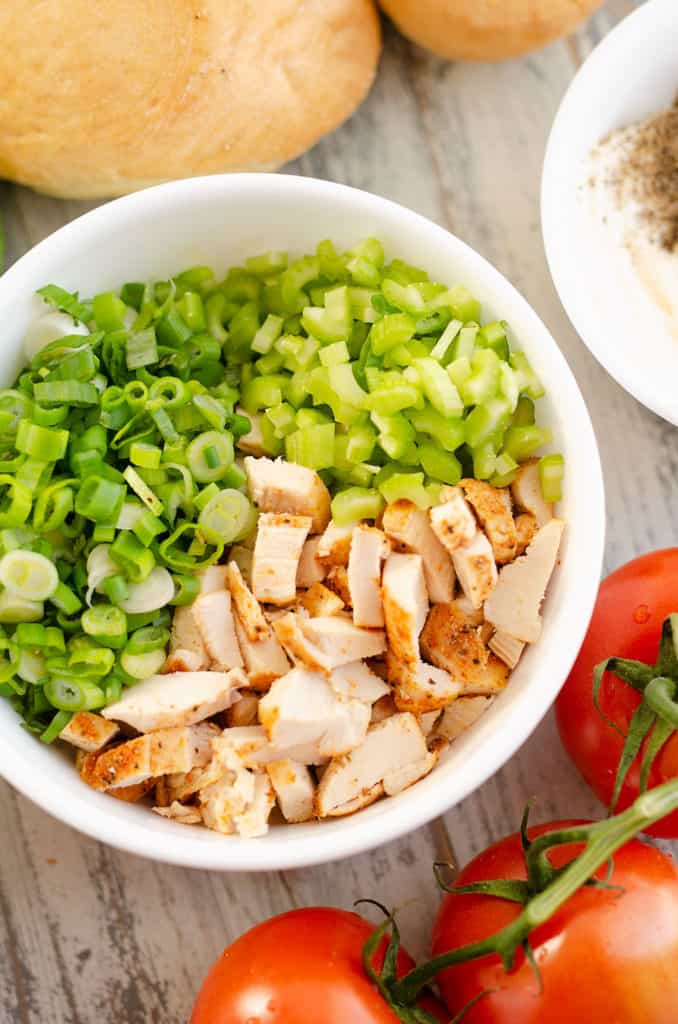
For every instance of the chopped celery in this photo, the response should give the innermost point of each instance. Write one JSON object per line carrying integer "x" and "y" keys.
{"x": 465, "y": 343}
{"x": 391, "y": 398}
{"x": 459, "y": 371}
{"x": 283, "y": 418}
{"x": 342, "y": 382}
{"x": 395, "y": 433}
{"x": 407, "y": 297}
{"x": 442, "y": 346}
{"x": 318, "y": 323}
{"x": 509, "y": 386}
{"x": 360, "y": 441}
{"x": 392, "y": 330}
{"x": 528, "y": 382}
{"x": 406, "y": 485}
{"x": 438, "y": 388}
{"x": 268, "y": 334}
{"x": 311, "y": 418}
{"x": 462, "y": 304}
{"x": 505, "y": 469}
{"x": 483, "y": 383}
{"x": 523, "y": 442}
{"x": 439, "y": 464}
{"x": 312, "y": 446}
{"x": 484, "y": 461}
{"x": 335, "y": 354}
{"x": 493, "y": 335}
{"x": 551, "y": 471}
{"x": 523, "y": 415}
{"x": 450, "y": 433}
{"x": 487, "y": 420}
{"x": 354, "y": 504}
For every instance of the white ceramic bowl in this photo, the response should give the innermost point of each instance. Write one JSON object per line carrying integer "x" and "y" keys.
{"x": 631, "y": 75}
{"x": 218, "y": 221}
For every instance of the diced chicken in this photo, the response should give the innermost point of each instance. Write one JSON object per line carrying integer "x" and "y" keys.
{"x": 243, "y": 711}
{"x": 337, "y": 580}
{"x": 88, "y": 731}
{"x": 383, "y": 708}
{"x": 428, "y": 721}
{"x": 157, "y": 753}
{"x": 302, "y": 710}
{"x": 320, "y": 600}
{"x": 278, "y": 486}
{"x": 514, "y": 606}
{"x": 405, "y": 777}
{"x": 450, "y": 641}
{"x": 453, "y": 522}
{"x": 460, "y": 715}
{"x": 252, "y": 443}
{"x": 179, "y": 812}
{"x": 212, "y": 579}
{"x": 526, "y": 491}
{"x": 132, "y": 794}
{"x": 420, "y": 687}
{"x": 185, "y": 636}
{"x": 184, "y": 661}
{"x": 492, "y": 505}
{"x": 264, "y": 659}
{"x": 358, "y": 802}
{"x": 253, "y": 821}
{"x": 369, "y": 548}
{"x": 356, "y": 681}
{"x": 178, "y": 698}
{"x": 334, "y": 546}
{"x": 298, "y": 645}
{"x": 254, "y": 749}
{"x": 341, "y": 641}
{"x": 476, "y": 569}
{"x": 294, "y": 789}
{"x": 242, "y": 557}
{"x": 223, "y": 800}
{"x": 246, "y": 605}
{"x": 280, "y": 539}
{"x": 213, "y": 614}
{"x": 507, "y": 648}
{"x": 405, "y": 605}
{"x": 162, "y": 793}
{"x": 526, "y": 527}
{"x": 474, "y": 616}
{"x": 388, "y": 748}
{"x": 408, "y": 525}
{"x": 310, "y": 570}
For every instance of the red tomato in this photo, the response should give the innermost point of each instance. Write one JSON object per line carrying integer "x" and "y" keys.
{"x": 298, "y": 968}
{"x": 627, "y": 621}
{"x": 604, "y": 957}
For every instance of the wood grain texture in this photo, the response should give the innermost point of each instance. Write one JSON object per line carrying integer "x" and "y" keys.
{"x": 92, "y": 935}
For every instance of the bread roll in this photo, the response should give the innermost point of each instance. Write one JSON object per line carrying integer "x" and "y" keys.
{"x": 486, "y": 29}
{"x": 101, "y": 98}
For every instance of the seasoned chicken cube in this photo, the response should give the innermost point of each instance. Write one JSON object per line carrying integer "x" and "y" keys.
{"x": 369, "y": 796}
{"x": 185, "y": 636}
{"x": 264, "y": 659}
{"x": 383, "y": 708}
{"x": 213, "y": 614}
{"x": 526, "y": 491}
{"x": 356, "y": 681}
{"x": 341, "y": 641}
{"x": 294, "y": 789}
{"x": 405, "y": 605}
{"x": 212, "y": 579}
{"x": 246, "y": 605}
{"x": 280, "y": 539}
{"x": 337, "y": 580}
{"x": 132, "y": 794}
{"x": 526, "y": 527}
{"x": 253, "y": 821}
{"x": 278, "y": 486}
{"x": 514, "y": 606}
{"x": 388, "y": 748}
{"x": 460, "y": 715}
{"x": 369, "y": 548}
{"x": 244, "y": 711}
{"x": 320, "y": 600}
{"x": 476, "y": 569}
{"x": 157, "y": 753}
{"x": 178, "y": 698}
{"x": 428, "y": 721}
{"x": 492, "y": 505}
{"x": 242, "y": 557}
{"x": 507, "y": 648}
{"x": 183, "y": 661}
{"x": 240, "y": 801}
{"x": 405, "y": 777}
{"x": 334, "y": 546}
{"x": 453, "y": 522}
{"x": 88, "y": 731}
{"x": 452, "y": 642}
{"x": 310, "y": 570}
{"x": 409, "y": 526}
{"x": 420, "y": 687}
{"x": 252, "y": 443}
{"x": 302, "y": 709}
{"x": 181, "y": 813}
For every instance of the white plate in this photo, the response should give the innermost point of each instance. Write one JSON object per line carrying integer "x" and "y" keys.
{"x": 219, "y": 221}
{"x": 632, "y": 75}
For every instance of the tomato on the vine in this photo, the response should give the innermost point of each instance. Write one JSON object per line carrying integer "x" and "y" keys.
{"x": 632, "y": 604}
{"x": 299, "y": 967}
{"x": 606, "y": 955}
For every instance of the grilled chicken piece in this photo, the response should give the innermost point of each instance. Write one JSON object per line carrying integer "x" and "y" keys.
{"x": 185, "y": 636}
{"x": 341, "y": 641}
{"x": 244, "y": 711}
{"x": 264, "y": 659}
{"x": 240, "y": 801}
{"x": 184, "y": 661}
{"x": 369, "y": 548}
{"x": 242, "y": 557}
{"x": 476, "y": 569}
{"x": 158, "y": 753}
{"x": 280, "y": 539}
{"x": 506, "y": 648}
{"x": 405, "y": 605}
{"x": 337, "y": 580}
{"x": 356, "y": 681}
{"x": 88, "y": 732}
{"x": 310, "y": 570}
{"x": 214, "y": 616}
{"x": 388, "y": 748}
{"x": 300, "y": 647}
{"x": 358, "y": 803}
{"x": 181, "y": 813}
{"x": 492, "y": 505}
{"x": 420, "y": 687}
{"x": 526, "y": 491}
{"x": 514, "y": 606}
{"x": 252, "y": 443}
{"x": 450, "y": 641}
{"x": 212, "y": 579}
{"x": 294, "y": 789}
{"x": 246, "y": 605}
{"x": 411, "y": 773}
{"x": 408, "y": 525}
{"x": 301, "y": 710}
{"x": 278, "y": 486}
{"x": 453, "y": 522}
{"x": 334, "y": 546}
{"x": 320, "y": 600}
{"x": 526, "y": 527}
{"x": 460, "y": 715}
{"x": 178, "y": 698}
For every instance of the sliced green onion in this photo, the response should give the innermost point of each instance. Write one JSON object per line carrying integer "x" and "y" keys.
{"x": 551, "y": 472}
{"x": 134, "y": 559}
{"x": 143, "y": 491}
{"x": 15, "y": 608}
{"x": 209, "y": 455}
{"x": 56, "y": 726}
{"x": 142, "y": 666}
{"x": 107, "y": 624}
{"x": 187, "y": 589}
{"x": 29, "y": 575}
{"x": 227, "y": 515}
{"x": 99, "y": 499}
{"x": 72, "y": 695}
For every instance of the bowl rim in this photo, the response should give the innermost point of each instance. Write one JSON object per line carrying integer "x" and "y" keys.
{"x": 353, "y": 838}
{"x": 582, "y": 86}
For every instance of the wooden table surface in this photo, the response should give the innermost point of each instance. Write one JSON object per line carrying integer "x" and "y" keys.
{"x": 92, "y": 935}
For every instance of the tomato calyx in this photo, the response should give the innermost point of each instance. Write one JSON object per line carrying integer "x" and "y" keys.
{"x": 656, "y": 717}
{"x": 545, "y": 891}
